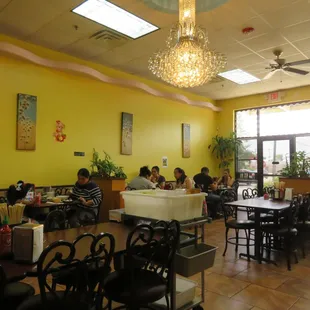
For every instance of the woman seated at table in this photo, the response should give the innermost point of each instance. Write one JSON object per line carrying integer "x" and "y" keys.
{"x": 157, "y": 178}
{"x": 226, "y": 180}
{"x": 182, "y": 180}
{"x": 143, "y": 180}
{"x": 89, "y": 196}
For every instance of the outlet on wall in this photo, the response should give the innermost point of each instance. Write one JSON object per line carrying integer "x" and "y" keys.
{"x": 79, "y": 154}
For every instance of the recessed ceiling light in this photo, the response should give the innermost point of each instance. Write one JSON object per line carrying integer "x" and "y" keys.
{"x": 114, "y": 17}
{"x": 239, "y": 76}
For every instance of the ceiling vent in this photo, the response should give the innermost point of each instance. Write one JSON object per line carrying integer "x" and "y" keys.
{"x": 108, "y": 39}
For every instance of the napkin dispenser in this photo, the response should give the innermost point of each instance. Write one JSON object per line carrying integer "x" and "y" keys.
{"x": 27, "y": 242}
{"x": 288, "y": 194}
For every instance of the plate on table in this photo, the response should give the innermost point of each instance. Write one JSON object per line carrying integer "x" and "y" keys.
{"x": 62, "y": 197}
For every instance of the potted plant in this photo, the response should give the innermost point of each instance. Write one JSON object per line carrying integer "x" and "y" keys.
{"x": 299, "y": 166}
{"x": 105, "y": 168}
{"x": 111, "y": 180}
{"x": 224, "y": 149}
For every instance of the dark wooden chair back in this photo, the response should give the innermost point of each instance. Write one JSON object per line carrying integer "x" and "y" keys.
{"x": 55, "y": 220}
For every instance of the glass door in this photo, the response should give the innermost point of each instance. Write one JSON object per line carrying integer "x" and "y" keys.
{"x": 272, "y": 158}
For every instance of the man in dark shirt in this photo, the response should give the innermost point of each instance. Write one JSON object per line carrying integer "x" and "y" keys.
{"x": 204, "y": 182}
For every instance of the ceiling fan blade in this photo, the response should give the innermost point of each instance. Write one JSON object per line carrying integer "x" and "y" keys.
{"x": 297, "y": 63}
{"x": 286, "y": 72}
{"x": 297, "y": 71}
{"x": 269, "y": 75}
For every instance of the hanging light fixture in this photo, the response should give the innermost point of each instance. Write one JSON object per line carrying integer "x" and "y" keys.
{"x": 187, "y": 61}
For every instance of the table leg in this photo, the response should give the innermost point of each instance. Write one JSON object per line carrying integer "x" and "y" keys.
{"x": 258, "y": 236}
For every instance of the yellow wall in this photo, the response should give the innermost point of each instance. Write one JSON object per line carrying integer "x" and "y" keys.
{"x": 91, "y": 111}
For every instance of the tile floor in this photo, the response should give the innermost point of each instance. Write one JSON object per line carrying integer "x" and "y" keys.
{"x": 235, "y": 284}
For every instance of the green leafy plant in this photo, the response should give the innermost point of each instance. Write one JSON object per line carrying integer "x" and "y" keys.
{"x": 299, "y": 165}
{"x": 105, "y": 167}
{"x": 224, "y": 149}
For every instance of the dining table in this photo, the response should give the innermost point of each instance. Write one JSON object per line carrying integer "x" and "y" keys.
{"x": 14, "y": 269}
{"x": 259, "y": 205}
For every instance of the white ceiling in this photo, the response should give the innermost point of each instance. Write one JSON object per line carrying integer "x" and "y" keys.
{"x": 283, "y": 24}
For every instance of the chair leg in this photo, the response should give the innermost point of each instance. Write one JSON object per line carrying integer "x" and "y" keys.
{"x": 248, "y": 235}
{"x": 237, "y": 240}
{"x": 226, "y": 238}
{"x": 288, "y": 253}
{"x": 268, "y": 242}
{"x": 303, "y": 247}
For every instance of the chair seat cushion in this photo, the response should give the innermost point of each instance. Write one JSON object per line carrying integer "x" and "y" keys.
{"x": 240, "y": 224}
{"x": 147, "y": 287}
{"x": 278, "y": 230}
{"x": 15, "y": 293}
{"x": 59, "y": 303}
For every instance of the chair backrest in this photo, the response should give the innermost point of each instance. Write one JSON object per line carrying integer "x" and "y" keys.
{"x": 304, "y": 208}
{"x": 60, "y": 257}
{"x": 229, "y": 196}
{"x": 55, "y": 220}
{"x": 59, "y": 191}
{"x": 152, "y": 248}
{"x": 249, "y": 193}
{"x": 235, "y": 186}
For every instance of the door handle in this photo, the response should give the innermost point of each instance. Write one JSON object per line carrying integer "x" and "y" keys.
{"x": 275, "y": 163}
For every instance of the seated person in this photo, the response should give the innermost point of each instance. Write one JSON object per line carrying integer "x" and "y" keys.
{"x": 89, "y": 196}
{"x": 204, "y": 182}
{"x": 18, "y": 193}
{"x": 226, "y": 179}
{"x": 143, "y": 180}
{"x": 157, "y": 178}
{"x": 182, "y": 180}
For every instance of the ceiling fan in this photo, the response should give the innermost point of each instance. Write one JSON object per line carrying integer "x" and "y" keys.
{"x": 279, "y": 64}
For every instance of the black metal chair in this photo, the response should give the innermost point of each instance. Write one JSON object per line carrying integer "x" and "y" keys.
{"x": 83, "y": 293}
{"x": 55, "y": 220}
{"x": 251, "y": 193}
{"x": 231, "y": 222}
{"x": 303, "y": 223}
{"x": 144, "y": 270}
{"x": 285, "y": 231}
{"x": 235, "y": 188}
{"x": 13, "y": 292}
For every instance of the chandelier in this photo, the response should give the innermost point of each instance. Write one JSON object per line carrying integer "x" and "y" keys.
{"x": 187, "y": 60}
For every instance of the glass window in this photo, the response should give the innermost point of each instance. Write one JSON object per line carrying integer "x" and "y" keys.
{"x": 246, "y": 123}
{"x": 275, "y": 155}
{"x": 285, "y": 120}
{"x": 303, "y": 144}
{"x": 248, "y": 149}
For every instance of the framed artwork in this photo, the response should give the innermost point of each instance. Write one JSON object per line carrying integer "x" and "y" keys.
{"x": 127, "y": 124}
{"x": 26, "y": 122}
{"x": 186, "y": 143}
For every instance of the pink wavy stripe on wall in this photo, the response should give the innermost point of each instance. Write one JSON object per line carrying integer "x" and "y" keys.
{"x": 60, "y": 65}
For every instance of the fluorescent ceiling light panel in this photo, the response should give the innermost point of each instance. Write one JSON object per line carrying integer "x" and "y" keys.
{"x": 239, "y": 76}
{"x": 114, "y": 17}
